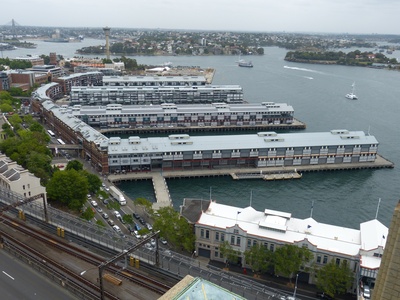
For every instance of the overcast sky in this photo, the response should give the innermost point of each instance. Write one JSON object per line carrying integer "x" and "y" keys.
{"x": 324, "y": 16}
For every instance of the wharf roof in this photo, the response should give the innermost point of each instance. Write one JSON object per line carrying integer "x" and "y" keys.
{"x": 127, "y": 89}
{"x": 373, "y": 235}
{"x": 281, "y": 227}
{"x": 89, "y": 133}
{"x": 143, "y": 79}
{"x": 113, "y": 109}
{"x": 261, "y": 140}
{"x": 78, "y": 75}
{"x": 41, "y": 91}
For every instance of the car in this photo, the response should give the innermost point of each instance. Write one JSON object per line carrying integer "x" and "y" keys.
{"x": 137, "y": 227}
{"x": 94, "y": 203}
{"x": 163, "y": 241}
{"x": 111, "y": 222}
{"x": 105, "y": 216}
{"x": 89, "y": 196}
{"x": 101, "y": 197}
{"x": 103, "y": 184}
{"x": 367, "y": 292}
{"x": 136, "y": 234}
{"x": 149, "y": 227}
{"x": 130, "y": 228}
{"x": 153, "y": 242}
{"x": 143, "y": 222}
{"x": 107, "y": 188}
{"x": 136, "y": 216}
{"x": 322, "y": 295}
{"x": 117, "y": 229}
{"x": 105, "y": 201}
{"x": 122, "y": 220}
{"x": 117, "y": 214}
{"x": 99, "y": 209}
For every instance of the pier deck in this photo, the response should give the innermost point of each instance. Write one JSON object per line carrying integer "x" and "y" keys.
{"x": 164, "y": 199}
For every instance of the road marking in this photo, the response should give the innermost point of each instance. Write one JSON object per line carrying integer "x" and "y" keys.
{"x": 8, "y": 275}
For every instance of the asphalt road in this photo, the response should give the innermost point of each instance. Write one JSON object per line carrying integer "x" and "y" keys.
{"x": 19, "y": 281}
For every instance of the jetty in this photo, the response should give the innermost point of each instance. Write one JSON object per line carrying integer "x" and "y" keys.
{"x": 163, "y": 197}
{"x": 268, "y": 176}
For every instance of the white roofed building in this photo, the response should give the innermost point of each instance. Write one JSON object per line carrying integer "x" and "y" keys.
{"x": 244, "y": 227}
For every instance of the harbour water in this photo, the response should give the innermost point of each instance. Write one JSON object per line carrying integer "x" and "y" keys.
{"x": 317, "y": 93}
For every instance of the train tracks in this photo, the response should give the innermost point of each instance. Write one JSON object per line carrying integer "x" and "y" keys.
{"x": 92, "y": 290}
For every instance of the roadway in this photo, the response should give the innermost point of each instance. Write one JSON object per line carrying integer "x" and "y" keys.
{"x": 19, "y": 281}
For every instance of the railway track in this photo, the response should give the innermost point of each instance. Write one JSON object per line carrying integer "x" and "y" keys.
{"x": 144, "y": 280}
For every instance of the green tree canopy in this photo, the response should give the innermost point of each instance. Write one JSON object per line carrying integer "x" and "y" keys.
{"x": 334, "y": 279}
{"x": 288, "y": 259}
{"x": 228, "y": 252}
{"x": 259, "y": 258}
{"x": 175, "y": 229}
{"x": 68, "y": 187}
{"x": 74, "y": 164}
{"x": 88, "y": 214}
{"x": 93, "y": 181}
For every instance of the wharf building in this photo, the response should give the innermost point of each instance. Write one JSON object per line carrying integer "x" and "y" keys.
{"x": 179, "y": 115}
{"x": 80, "y": 79}
{"x": 136, "y": 81}
{"x": 243, "y": 228}
{"x": 185, "y": 152}
{"x": 139, "y": 95}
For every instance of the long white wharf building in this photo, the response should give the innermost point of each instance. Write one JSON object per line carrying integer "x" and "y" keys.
{"x": 180, "y": 115}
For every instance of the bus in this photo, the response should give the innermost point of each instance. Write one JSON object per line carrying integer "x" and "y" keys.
{"x": 60, "y": 141}
{"x": 51, "y": 133}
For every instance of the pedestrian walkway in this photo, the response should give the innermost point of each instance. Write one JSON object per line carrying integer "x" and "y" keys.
{"x": 161, "y": 191}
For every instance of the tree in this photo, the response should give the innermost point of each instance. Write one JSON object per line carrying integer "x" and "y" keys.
{"x": 128, "y": 218}
{"x": 74, "y": 164}
{"x": 334, "y": 279}
{"x": 68, "y": 187}
{"x": 175, "y": 229}
{"x": 259, "y": 258}
{"x": 288, "y": 259}
{"x": 93, "y": 180}
{"x": 5, "y": 108}
{"x": 228, "y": 252}
{"x": 88, "y": 214}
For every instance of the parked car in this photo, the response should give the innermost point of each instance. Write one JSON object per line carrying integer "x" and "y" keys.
{"x": 117, "y": 229}
{"x": 121, "y": 220}
{"x": 137, "y": 227}
{"x": 149, "y": 227}
{"x": 117, "y": 214}
{"x": 143, "y": 222}
{"x": 99, "y": 209}
{"x": 111, "y": 222}
{"x": 136, "y": 234}
{"x": 130, "y": 228}
{"x": 322, "y": 295}
{"x": 367, "y": 292}
{"x": 163, "y": 241}
{"x": 136, "y": 216}
{"x": 105, "y": 201}
{"x": 105, "y": 216}
{"x": 94, "y": 203}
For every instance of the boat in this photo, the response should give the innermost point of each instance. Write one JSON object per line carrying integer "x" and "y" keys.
{"x": 243, "y": 63}
{"x": 246, "y": 64}
{"x": 352, "y": 95}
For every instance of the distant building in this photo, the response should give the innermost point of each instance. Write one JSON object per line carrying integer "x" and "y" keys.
{"x": 79, "y": 79}
{"x": 243, "y": 228}
{"x": 26, "y": 79}
{"x": 34, "y": 60}
{"x": 51, "y": 70}
{"x": 5, "y": 81}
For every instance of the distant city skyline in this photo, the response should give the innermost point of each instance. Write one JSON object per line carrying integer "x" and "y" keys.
{"x": 319, "y": 16}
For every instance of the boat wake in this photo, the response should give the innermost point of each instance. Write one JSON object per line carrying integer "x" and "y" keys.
{"x": 307, "y": 77}
{"x": 303, "y": 69}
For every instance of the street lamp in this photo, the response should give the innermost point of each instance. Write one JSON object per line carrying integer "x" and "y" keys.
{"x": 295, "y": 286}
{"x": 100, "y": 279}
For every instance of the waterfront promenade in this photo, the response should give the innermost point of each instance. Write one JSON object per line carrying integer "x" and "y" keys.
{"x": 163, "y": 197}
